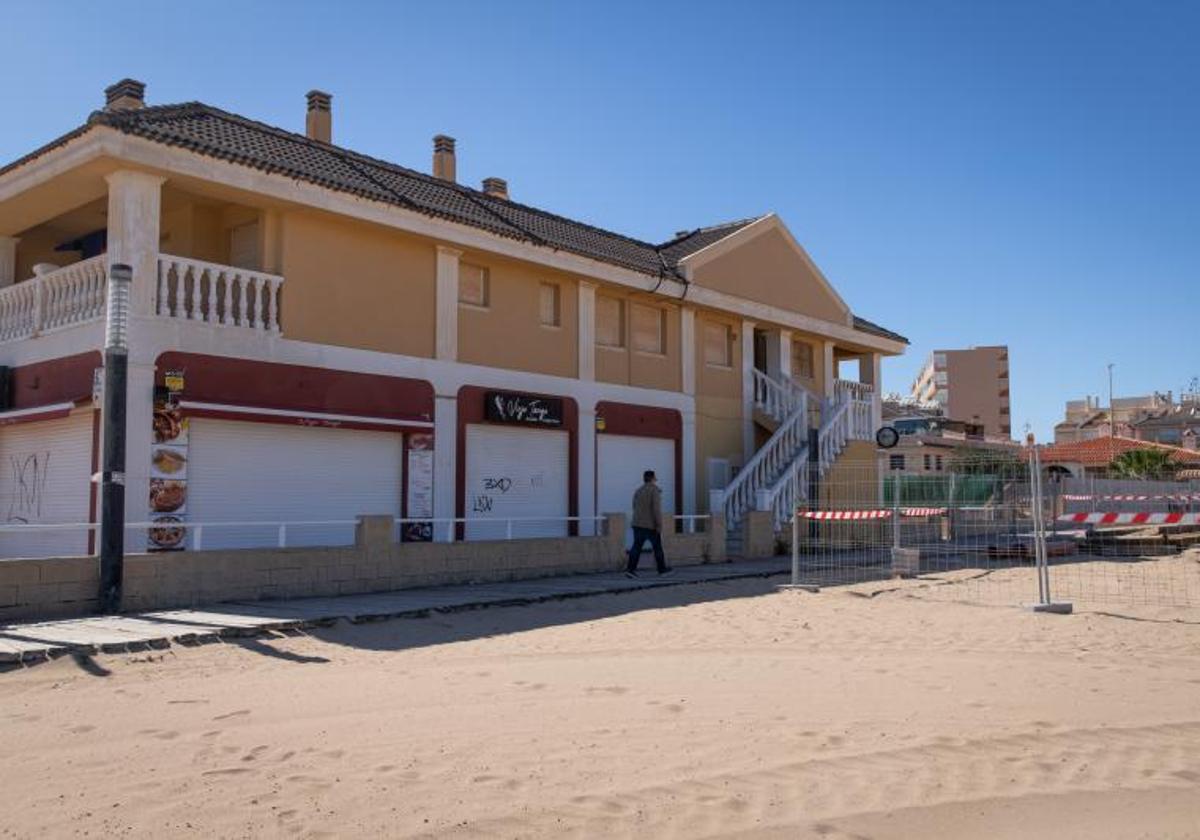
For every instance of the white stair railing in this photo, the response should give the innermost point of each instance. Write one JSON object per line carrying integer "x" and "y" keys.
{"x": 860, "y": 397}
{"x": 785, "y": 446}
{"x": 222, "y": 295}
{"x": 835, "y": 431}
{"x": 789, "y": 490}
{"x": 69, "y": 295}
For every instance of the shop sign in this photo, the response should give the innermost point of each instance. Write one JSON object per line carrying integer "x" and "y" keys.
{"x": 522, "y": 409}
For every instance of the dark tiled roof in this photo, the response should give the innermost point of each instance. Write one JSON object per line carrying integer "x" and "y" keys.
{"x": 210, "y": 131}
{"x": 689, "y": 242}
{"x": 863, "y": 325}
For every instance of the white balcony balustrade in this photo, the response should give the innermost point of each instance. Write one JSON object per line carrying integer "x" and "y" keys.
{"x": 54, "y": 300}
{"x": 186, "y": 289}
{"x": 217, "y": 294}
{"x": 859, "y": 399}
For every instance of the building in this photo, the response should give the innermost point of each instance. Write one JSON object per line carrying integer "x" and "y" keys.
{"x": 1175, "y": 425}
{"x": 1086, "y": 419}
{"x": 1092, "y": 457}
{"x": 970, "y": 385}
{"x": 930, "y": 442}
{"x": 318, "y": 335}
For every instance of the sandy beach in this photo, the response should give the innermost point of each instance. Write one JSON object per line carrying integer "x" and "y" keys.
{"x": 719, "y": 710}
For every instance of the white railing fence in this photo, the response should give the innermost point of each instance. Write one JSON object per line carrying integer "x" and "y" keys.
{"x": 860, "y": 397}
{"x": 60, "y": 298}
{"x": 775, "y": 457}
{"x": 835, "y": 431}
{"x": 217, "y": 294}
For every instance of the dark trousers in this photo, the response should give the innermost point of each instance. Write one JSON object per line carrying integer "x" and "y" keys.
{"x": 640, "y": 536}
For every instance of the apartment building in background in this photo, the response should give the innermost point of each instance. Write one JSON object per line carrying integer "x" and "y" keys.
{"x": 318, "y": 335}
{"x": 1088, "y": 419}
{"x": 970, "y": 385}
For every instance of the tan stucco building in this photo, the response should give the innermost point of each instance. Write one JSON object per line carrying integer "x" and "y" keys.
{"x": 317, "y": 334}
{"x": 971, "y": 385}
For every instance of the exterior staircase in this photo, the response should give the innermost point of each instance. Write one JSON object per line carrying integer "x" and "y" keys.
{"x": 776, "y": 478}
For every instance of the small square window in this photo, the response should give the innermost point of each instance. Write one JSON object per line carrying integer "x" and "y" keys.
{"x": 473, "y": 284}
{"x": 648, "y": 326}
{"x": 928, "y": 461}
{"x": 610, "y": 321}
{"x": 551, "y": 310}
{"x": 895, "y": 462}
{"x": 718, "y": 345}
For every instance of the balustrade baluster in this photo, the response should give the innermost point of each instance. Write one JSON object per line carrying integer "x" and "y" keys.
{"x": 225, "y": 313}
{"x": 210, "y": 302}
{"x": 160, "y": 305}
{"x": 194, "y": 293}
{"x": 239, "y": 306}
{"x": 260, "y": 322}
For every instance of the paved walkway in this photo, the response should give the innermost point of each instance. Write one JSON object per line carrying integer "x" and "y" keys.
{"x": 36, "y": 642}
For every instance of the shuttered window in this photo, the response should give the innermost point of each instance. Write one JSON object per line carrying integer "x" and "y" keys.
{"x": 551, "y": 312}
{"x": 610, "y": 321}
{"x": 718, "y": 350}
{"x": 473, "y": 284}
{"x": 648, "y": 325}
{"x": 802, "y": 359}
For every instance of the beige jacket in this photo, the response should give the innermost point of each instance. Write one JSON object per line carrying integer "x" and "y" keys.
{"x": 647, "y": 507}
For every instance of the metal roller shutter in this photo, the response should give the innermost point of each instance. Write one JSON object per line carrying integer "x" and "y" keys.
{"x": 514, "y": 472}
{"x": 620, "y": 462}
{"x": 245, "y": 472}
{"x": 45, "y": 478}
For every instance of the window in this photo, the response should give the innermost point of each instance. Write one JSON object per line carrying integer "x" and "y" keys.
{"x": 648, "y": 326}
{"x": 243, "y": 246}
{"x": 802, "y": 359}
{"x": 895, "y": 462}
{"x": 472, "y": 284}
{"x": 551, "y": 311}
{"x": 941, "y": 378}
{"x": 718, "y": 345}
{"x": 610, "y": 321}
{"x": 928, "y": 462}
{"x": 939, "y": 463}
{"x": 939, "y": 360}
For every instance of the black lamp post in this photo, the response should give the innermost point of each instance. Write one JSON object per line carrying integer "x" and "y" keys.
{"x": 112, "y": 477}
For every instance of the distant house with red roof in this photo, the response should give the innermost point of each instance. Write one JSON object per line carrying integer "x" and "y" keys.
{"x": 1093, "y": 457}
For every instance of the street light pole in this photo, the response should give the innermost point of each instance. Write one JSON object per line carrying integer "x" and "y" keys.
{"x": 112, "y": 477}
{"x": 1112, "y": 413}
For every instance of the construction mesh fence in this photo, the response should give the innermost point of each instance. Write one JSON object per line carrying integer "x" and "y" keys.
{"x": 1000, "y": 533}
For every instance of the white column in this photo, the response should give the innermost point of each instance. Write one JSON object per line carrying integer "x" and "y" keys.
{"x": 447, "y": 304}
{"x": 688, "y": 478}
{"x": 134, "y": 202}
{"x": 445, "y": 461}
{"x": 870, "y": 369}
{"x": 687, "y": 349}
{"x": 829, "y": 369}
{"x": 587, "y": 469}
{"x": 8, "y": 260}
{"x": 587, "y": 330}
{"x": 785, "y": 354}
{"x": 747, "y": 391}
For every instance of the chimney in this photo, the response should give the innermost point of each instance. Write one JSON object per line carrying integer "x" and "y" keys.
{"x": 496, "y": 187}
{"x": 125, "y": 95}
{"x": 318, "y": 124}
{"x": 443, "y": 157}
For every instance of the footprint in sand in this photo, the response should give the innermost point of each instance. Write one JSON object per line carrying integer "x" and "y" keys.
{"x": 228, "y": 771}
{"x": 81, "y": 730}
{"x": 228, "y": 715}
{"x": 606, "y": 689}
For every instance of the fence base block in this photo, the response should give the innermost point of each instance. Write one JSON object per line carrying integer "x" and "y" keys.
{"x": 906, "y": 562}
{"x": 1056, "y": 607}
{"x": 799, "y": 587}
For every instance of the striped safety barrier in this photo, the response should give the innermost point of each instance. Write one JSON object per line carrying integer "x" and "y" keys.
{"x": 849, "y": 515}
{"x": 1128, "y": 497}
{"x": 1144, "y": 518}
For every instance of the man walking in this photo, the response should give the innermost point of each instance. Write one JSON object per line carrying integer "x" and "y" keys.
{"x": 647, "y": 525}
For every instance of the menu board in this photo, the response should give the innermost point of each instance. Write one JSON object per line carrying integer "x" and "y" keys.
{"x": 168, "y": 480}
{"x": 420, "y": 489}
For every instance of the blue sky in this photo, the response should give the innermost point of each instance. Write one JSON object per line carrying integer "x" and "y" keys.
{"x": 964, "y": 173}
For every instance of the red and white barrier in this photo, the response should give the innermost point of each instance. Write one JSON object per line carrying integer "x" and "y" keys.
{"x": 1143, "y": 518}
{"x": 1129, "y": 497}
{"x": 851, "y": 515}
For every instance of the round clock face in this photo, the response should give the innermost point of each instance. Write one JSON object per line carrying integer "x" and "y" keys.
{"x": 887, "y": 437}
